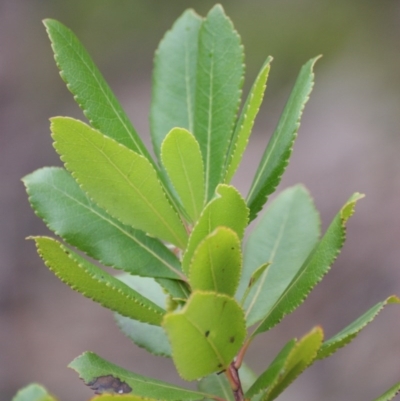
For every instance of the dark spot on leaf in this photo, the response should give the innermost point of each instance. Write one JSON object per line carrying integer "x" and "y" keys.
{"x": 232, "y": 339}
{"x": 207, "y": 333}
{"x": 233, "y": 248}
{"x": 220, "y": 365}
{"x": 109, "y": 384}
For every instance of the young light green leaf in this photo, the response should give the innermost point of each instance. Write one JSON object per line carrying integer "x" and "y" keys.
{"x": 347, "y": 335}
{"x": 150, "y": 337}
{"x": 33, "y": 392}
{"x": 279, "y": 149}
{"x": 95, "y": 283}
{"x": 300, "y": 357}
{"x": 68, "y": 211}
{"x": 217, "y": 262}
{"x": 220, "y": 73}
{"x": 90, "y": 366}
{"x": 254, "y": 279}
{"x": 390, "y": 394}
{"x": 245, "y": 122}
{"x": 284, "y": 237}
{"x": 209, "y": 330}
{"x": 90, "y": 90}
{"x": 313, "y": 269}
{"x": 227, "y": 209}
{"x": 117, "y": 179}
{"x": 271, "y": 376}
{"x": 174, "y": 79}
{"x": 181, "y": 157}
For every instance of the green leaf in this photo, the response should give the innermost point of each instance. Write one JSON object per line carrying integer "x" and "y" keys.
{"x": 90, "y": 366}
{"x": 119, "y": 397}
{"x": 96, "y": 284}
{"x": 220, "y": 73}
{"x": 284, "y": 237}
{"x": 277, "y": 154}
{"x": 33, "y": 392}
{"x": 118, "y": 179}
{"x": 300, "y": 357}
{"x": 217, "y": 263}
{"x": 89, "y": 88}
{"x": 174, "y": 79}
{"x": 390, "y": 394}
{"x": 181, "y": 157}
{"x": 245, "y": 122}
{"x": 257, "y": 274}
{"x": 209, "y": 331}
{"x": 68, "y": 211}
{"x": 313, "y": 269}
{"x": 271, "y": 375}
{"x": 347, "y": 335}
{"x": 218, "y": 384}
{"x": 227, "y": 209}
{"x": 150, "y": 337}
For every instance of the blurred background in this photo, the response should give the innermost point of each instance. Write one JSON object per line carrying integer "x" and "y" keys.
{"x": 349, "y": 141}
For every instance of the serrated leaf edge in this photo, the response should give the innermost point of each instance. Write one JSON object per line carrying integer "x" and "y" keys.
{"x": 169, "y": 266}
{"x": 73, "y": 287}
{"x": 107, "y": 138}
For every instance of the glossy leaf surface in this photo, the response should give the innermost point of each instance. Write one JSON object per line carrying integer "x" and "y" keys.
{"x": 210, "y": 330}
{"x": 95, "y": 283}
{"x": 277, "y": 154}
{"x": 313, "y": 269}
{"x": 90, "y": 366}
{"x": 227, "y": 209}
{"x": 245, "y": 122}
{"x": 219, "y": 80}
{"x": 69, "y": 212}
{"x": 217, "y": 263}
{"x": 181, "y": 157}
{"x": 174, "y": 79}
{"x": 33, "y": 392}
{"x": 348, "y": 334}
{"x": 284, "y": 237}
{"x": 89, "y": 88}
{"x": 118, "y": 179}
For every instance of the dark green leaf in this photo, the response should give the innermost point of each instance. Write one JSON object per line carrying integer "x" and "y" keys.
{"x": 174, "y": 79}
{"x": 347, "y": 335}
{"x": 89, "y": 88}
{"x": 220, "y": 72}
{"x": 313, "y": 269}
{"x": 68, "y": 211}
{"x": 279, "y": 149}
{"x": 90, "y": 366}
{"x": 284, "y": 237}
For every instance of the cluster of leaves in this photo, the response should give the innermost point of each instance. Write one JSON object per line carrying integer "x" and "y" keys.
{"x": 175, "y": 226}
